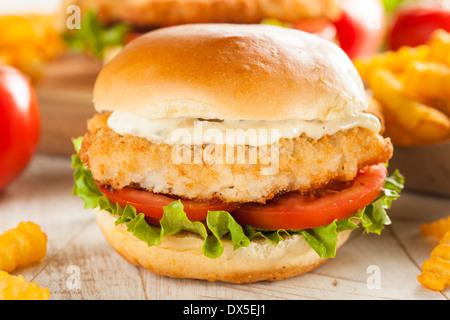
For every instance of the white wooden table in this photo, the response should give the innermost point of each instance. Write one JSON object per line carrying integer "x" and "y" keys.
{"x": 80, "y": 264}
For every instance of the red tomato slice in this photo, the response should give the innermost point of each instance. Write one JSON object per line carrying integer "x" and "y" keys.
{"x": 290, "y": 211}
{"x": 151, "y": 204}
{"x": 294, "y": 211}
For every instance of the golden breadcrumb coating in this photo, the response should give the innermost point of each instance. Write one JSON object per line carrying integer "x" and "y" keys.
{"x": 161, "y": 13}
{"x": 303, "y": 164}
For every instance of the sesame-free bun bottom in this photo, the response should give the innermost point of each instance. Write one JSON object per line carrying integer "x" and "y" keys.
{"x": 180, "y": 255}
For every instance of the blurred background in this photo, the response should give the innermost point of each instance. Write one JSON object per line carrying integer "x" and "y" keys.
{"x": 401, "y": 49}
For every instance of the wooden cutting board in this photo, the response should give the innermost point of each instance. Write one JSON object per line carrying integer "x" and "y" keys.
{"x": 65, "y": 100}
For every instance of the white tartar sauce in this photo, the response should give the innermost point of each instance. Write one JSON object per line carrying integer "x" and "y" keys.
{"x": 232, "y": 132}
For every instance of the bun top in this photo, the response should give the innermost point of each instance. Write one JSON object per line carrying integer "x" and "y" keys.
{"x": 231, "y": 72}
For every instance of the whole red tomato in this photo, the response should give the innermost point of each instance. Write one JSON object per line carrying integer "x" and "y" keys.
{"x": 362, "y": 27}
{"x": 19, "y": 124}
{"x": 413, "y": 26}
{"x": 360, "y": 30}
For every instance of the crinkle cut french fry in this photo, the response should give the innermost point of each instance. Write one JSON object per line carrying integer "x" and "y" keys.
{"x": 421, "y": 121}
{"x": 21, "y": 246}
{"x": 427, "y": 79}
{"x": 398, "y": 135}
{"x": 395, "y": 61}
{"x": 432, "y": 281}
{"x": 439, "y": 44}
{"x": 436, "y": 229}
{"x": 429, "y": 82}
{"x": 18, "y": 288}
{"x": 436, "y": 270}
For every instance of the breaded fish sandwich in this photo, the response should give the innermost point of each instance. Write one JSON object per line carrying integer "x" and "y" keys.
{"x": 234, "y": 153}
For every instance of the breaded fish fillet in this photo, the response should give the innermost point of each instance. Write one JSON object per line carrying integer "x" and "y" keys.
{"x": 303, "y": 165}
{"x": 160, "y": 13}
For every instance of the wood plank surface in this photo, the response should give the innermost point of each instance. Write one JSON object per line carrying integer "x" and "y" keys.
{"x": 81, "y": 265}
{"x": 65, "y": 100}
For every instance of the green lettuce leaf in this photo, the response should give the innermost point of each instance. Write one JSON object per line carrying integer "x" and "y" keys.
{"x": 84, "y": 186}
{"x": 93, "y": 37}
{"x": 221, "y": 223}
{"x": 322, "y": 239}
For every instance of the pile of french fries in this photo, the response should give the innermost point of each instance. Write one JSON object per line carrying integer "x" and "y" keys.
{"x": 436, "y": 270}
{"x": 411, "y": 86}
{"x": 28, "y": 42}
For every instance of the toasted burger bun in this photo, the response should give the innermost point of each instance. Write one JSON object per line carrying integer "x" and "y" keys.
{"x": 232, "y": 72}
{"x": 181, "y": 256}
